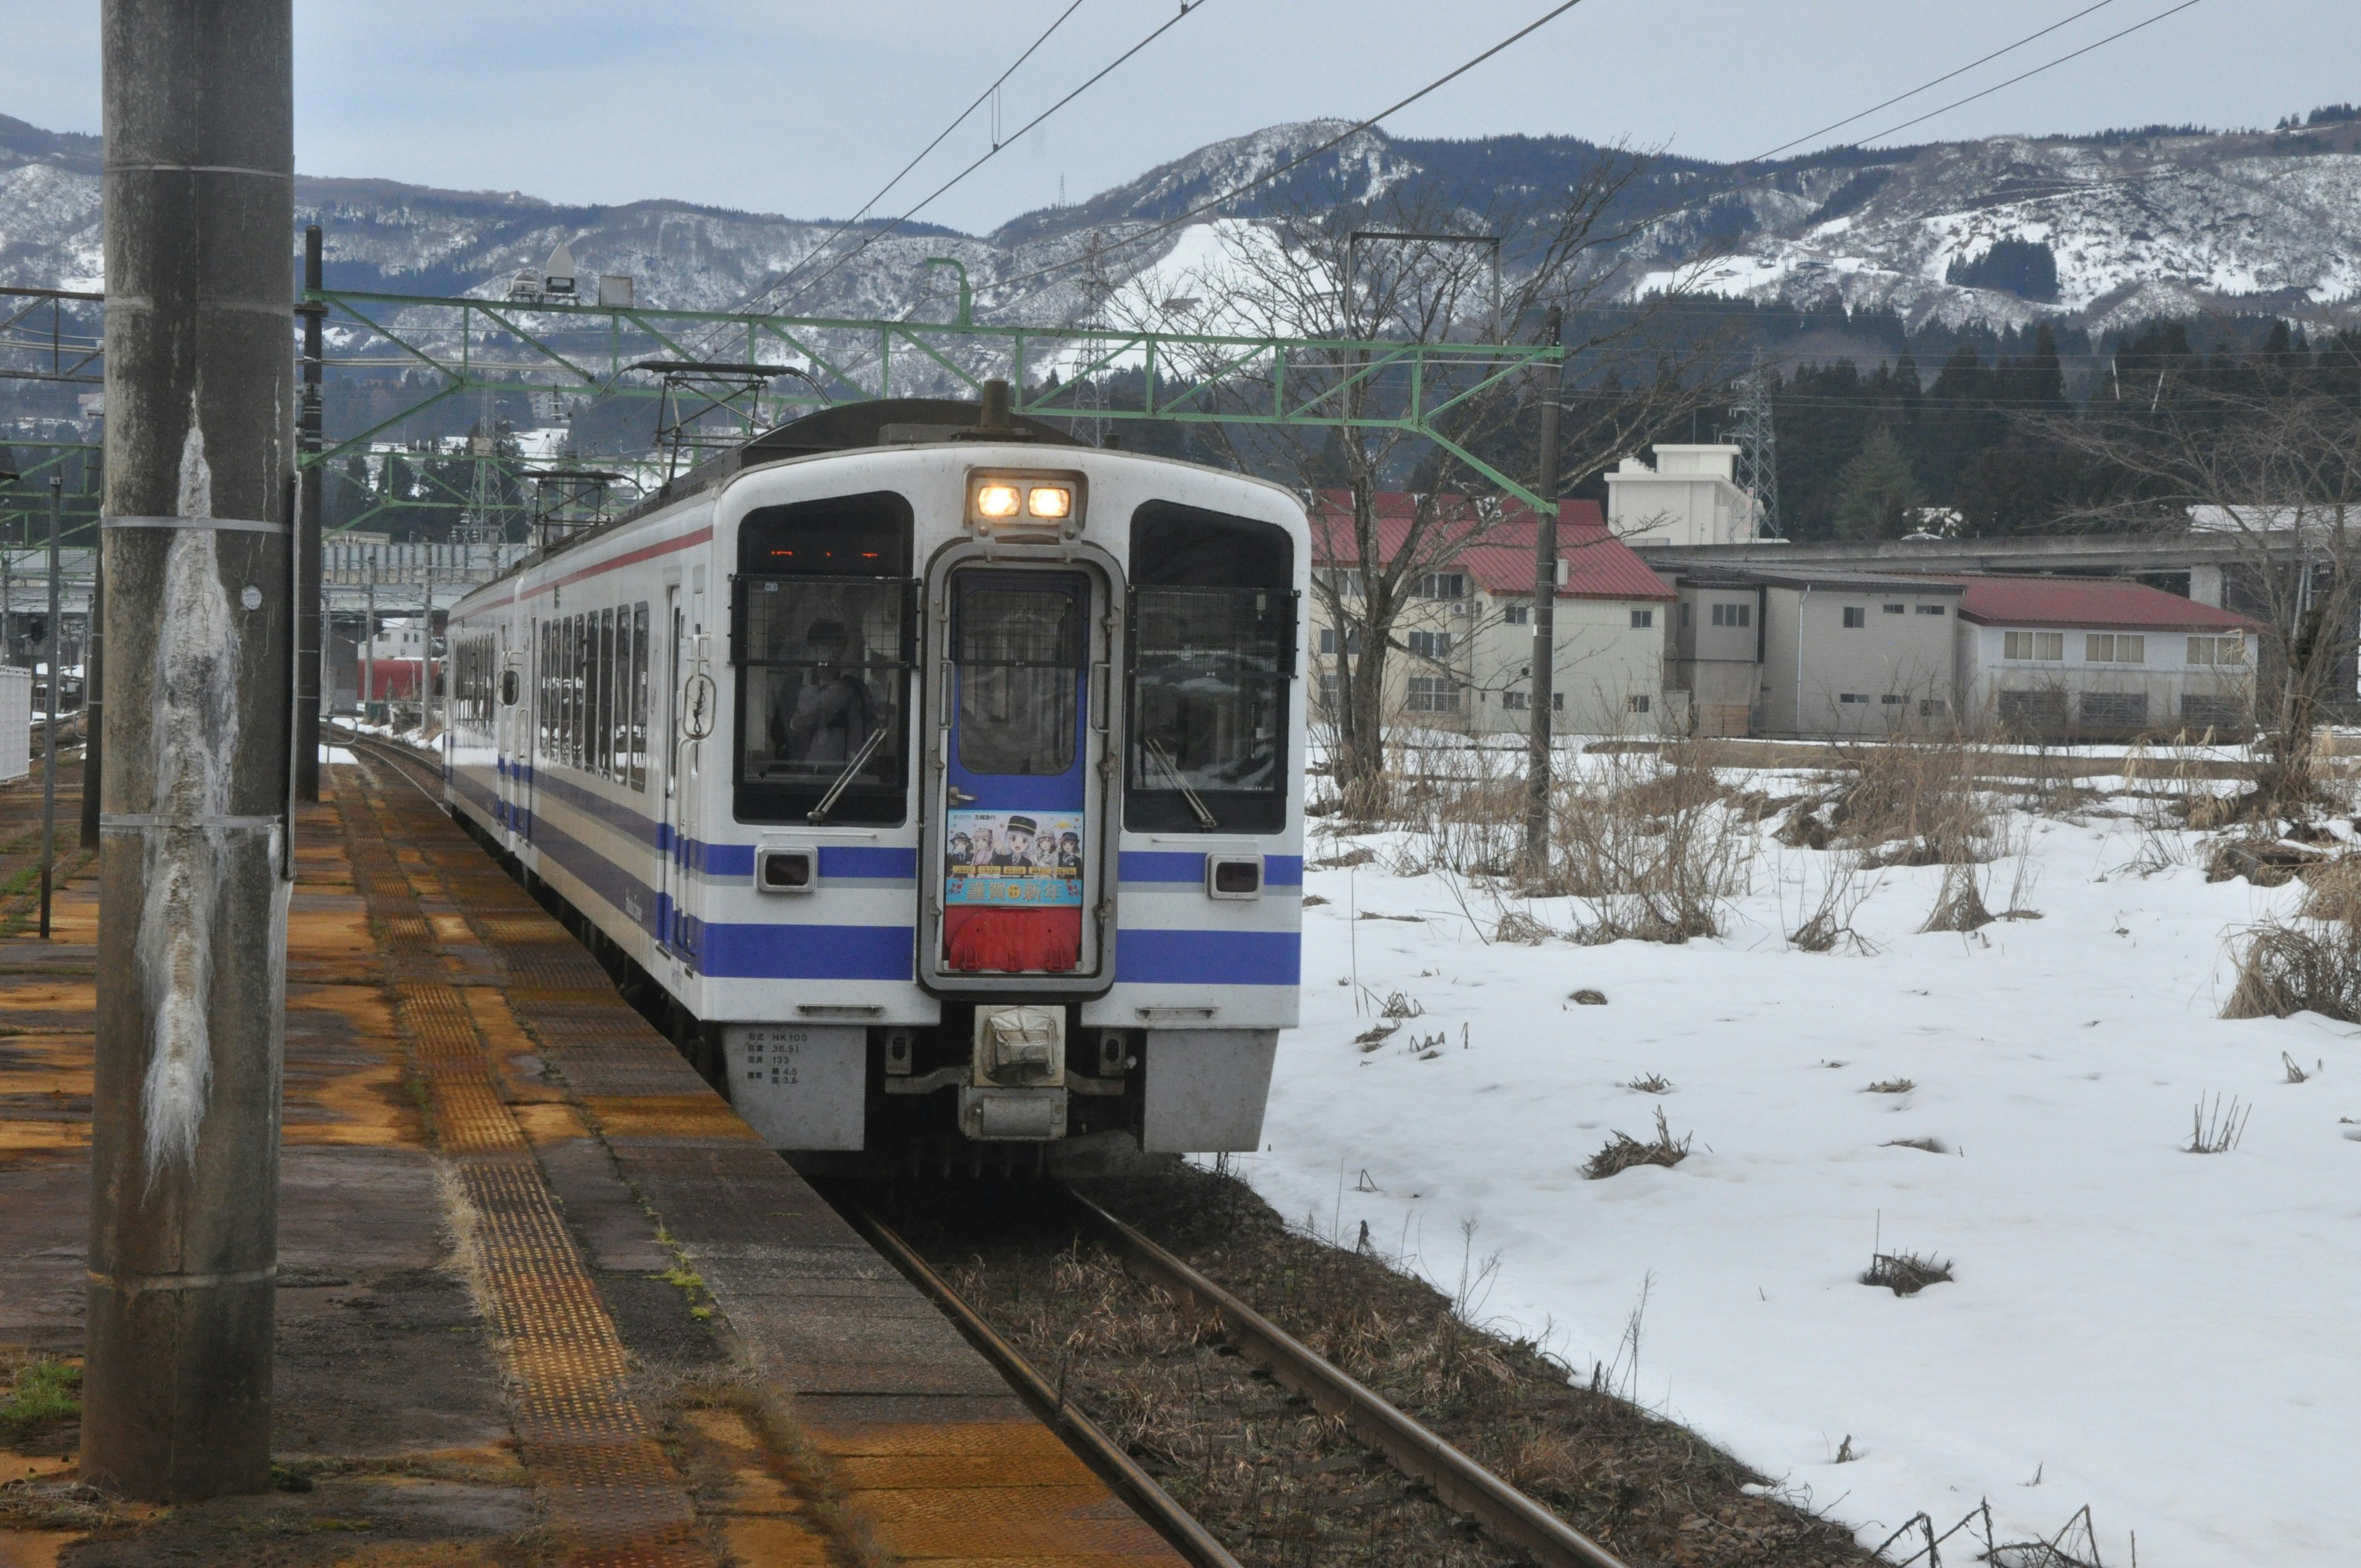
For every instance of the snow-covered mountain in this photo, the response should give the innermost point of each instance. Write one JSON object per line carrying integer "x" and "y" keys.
{"x": 2137, "y": 226}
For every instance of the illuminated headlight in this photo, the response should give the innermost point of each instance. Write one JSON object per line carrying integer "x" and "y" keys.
{"x": 1037, "y": 506}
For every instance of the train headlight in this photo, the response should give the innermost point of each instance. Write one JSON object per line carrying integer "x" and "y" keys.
{"x": 1027, "y": 507}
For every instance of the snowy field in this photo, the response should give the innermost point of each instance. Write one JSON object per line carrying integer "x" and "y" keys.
{"x": 2164, "y": 1336}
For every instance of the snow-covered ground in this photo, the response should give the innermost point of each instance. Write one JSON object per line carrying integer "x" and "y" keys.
{"x": 2165, "y": 1336}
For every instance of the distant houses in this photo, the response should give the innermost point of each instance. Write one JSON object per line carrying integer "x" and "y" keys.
{"x": 1747, "y": 651}
{"x": 1464, "y": 656}
{"x": 1848, "y": 654}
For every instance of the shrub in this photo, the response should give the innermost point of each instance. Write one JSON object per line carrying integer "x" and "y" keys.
{"x": 1624, "y": 1151}
{"x": 1905, "y": 1273}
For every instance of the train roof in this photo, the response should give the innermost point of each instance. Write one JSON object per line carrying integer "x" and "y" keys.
{"x": 878, "y": 421}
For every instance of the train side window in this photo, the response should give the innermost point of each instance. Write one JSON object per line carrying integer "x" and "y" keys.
{"x": 639, "y": 688}
{"x": 1212, "y": 624}
{"x": 822, "y": 621}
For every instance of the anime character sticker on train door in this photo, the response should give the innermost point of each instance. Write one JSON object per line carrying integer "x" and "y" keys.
{"x": 1016, "y": 820}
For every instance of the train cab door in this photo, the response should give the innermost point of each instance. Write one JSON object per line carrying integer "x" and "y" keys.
{"x": 513, "y": 738}
{"x": 1020, "y": 718}
{"x": 671, "y": 838}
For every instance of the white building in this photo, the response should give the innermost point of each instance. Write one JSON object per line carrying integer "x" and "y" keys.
{"x": 1688, "y": 497}
{"x": 2096, "y": 659}
{"x": 1466, "y": 638}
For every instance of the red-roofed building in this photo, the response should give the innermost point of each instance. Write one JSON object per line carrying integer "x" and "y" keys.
{"x": 1808, "y": 651}
{"x": 1466, "y": 640}
{"x": 2101, "y": 657}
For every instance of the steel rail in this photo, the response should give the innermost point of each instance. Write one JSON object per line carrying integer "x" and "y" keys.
{"x": 1085, "y": 1436}
{"x": 1458, "y": 1481}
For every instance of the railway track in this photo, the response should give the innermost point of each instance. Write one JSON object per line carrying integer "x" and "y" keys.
{"x": 1458, "y": 1483}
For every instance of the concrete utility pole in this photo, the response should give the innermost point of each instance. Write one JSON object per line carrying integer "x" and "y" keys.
{"x": 50, "y": 714}
{"x": 93, "y": 704}
{"x": 310, "y": 603}
{"x": 192, "y": 917}
{"x": 1542, "y": 686}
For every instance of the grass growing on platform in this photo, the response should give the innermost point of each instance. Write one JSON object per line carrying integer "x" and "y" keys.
{"x": 41, "y": 1395}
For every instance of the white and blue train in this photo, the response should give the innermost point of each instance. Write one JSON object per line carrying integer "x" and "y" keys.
{"x": 942, "y": 775}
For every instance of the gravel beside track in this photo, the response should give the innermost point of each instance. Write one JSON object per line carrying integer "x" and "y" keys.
{"x": 1278, "y": 1484}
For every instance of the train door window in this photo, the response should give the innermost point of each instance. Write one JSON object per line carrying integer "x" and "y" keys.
{"x": 1214, "y": 645}
{"x": 579, "y": 694}
{"x": 822, "y": 623}
{"x": 620, "y": 770}
{"x": 1019, "y": 643}
{"x": 610, "y": 694}
{"x": 562, "y": 751}
{"x": 585, "y": 715}
{"x": 589, "y": 665}
{"x": 638, "y": 780}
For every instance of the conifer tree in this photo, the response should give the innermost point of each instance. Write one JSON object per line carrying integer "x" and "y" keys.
{"x": 1877, "y": 494}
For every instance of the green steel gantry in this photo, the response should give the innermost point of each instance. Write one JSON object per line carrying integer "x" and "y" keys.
{"x": 596, "y": 351}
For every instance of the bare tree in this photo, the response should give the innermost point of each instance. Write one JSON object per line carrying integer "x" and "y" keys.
{"x": 1414, "y": 266}
{"x": 2274, "y": 472}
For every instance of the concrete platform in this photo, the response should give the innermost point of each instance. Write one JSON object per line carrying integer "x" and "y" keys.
{"x": 543, "y": 1297}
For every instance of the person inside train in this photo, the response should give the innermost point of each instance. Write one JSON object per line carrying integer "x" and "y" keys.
{"x": 825, "y": 719}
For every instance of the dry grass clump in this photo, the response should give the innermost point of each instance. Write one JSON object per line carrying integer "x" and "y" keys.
{"x": 1520, "y": 929}
{"x": 1905, "y": 1273}
{"x": 1648, "y": 840}
{"x": 1650, "y": 851}
{"x": 2307, "y": 966}
{"x": 1960, "y": 906}
{"x": 2334, "y": 889}
{"x": 1916, "y": 802}
{"x": 2265, "y": 862}
{"x": 1845, "y": 886}
{"x": 1651, "y": 1083}
{"x": 1891, "y": 1086}
{"x": 1624, "y": 1151}
{"x": 2216, "y": 1128}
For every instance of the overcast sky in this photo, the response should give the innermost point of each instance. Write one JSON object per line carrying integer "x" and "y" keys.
{"x": 807, "y": 109}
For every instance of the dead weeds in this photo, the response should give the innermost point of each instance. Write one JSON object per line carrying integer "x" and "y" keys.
{"x": 1624, "y": 1151}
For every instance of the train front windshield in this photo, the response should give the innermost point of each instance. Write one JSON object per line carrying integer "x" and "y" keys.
{"x": 1214, "y": 614}
{"x": 820, "y": 632}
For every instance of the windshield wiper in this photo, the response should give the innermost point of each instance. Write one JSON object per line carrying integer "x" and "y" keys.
{"x": 1196, "y": 803}
{"x": 818, "y": 813}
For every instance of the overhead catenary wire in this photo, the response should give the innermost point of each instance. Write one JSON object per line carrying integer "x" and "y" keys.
{"x": 1925, "y": 86}
{"x": 1188, "y": 8}
{"x": 773, "y": 286}
{"x": 2024, "y": 75}
{"x": 1300, "y": 160}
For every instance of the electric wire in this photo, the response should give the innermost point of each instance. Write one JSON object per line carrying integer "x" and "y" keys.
{"x": 1924, "y": 86}
{"x": 772, "y": 287}
{"x": 1188, "y": 8}
{"x": 2024, "y": 75}
{"x": 1299, "y": 161}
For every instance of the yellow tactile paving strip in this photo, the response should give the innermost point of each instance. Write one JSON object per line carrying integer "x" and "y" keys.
{"x": 609, "y": 1496}
{"x": 932, "y": 1453}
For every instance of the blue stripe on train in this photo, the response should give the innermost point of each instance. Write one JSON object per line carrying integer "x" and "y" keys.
{"x": 1189, "y": 866}
{"x": 1208, "y": 957}
{"x": 765, "y": 951}
{"x": 801, "y": 953}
